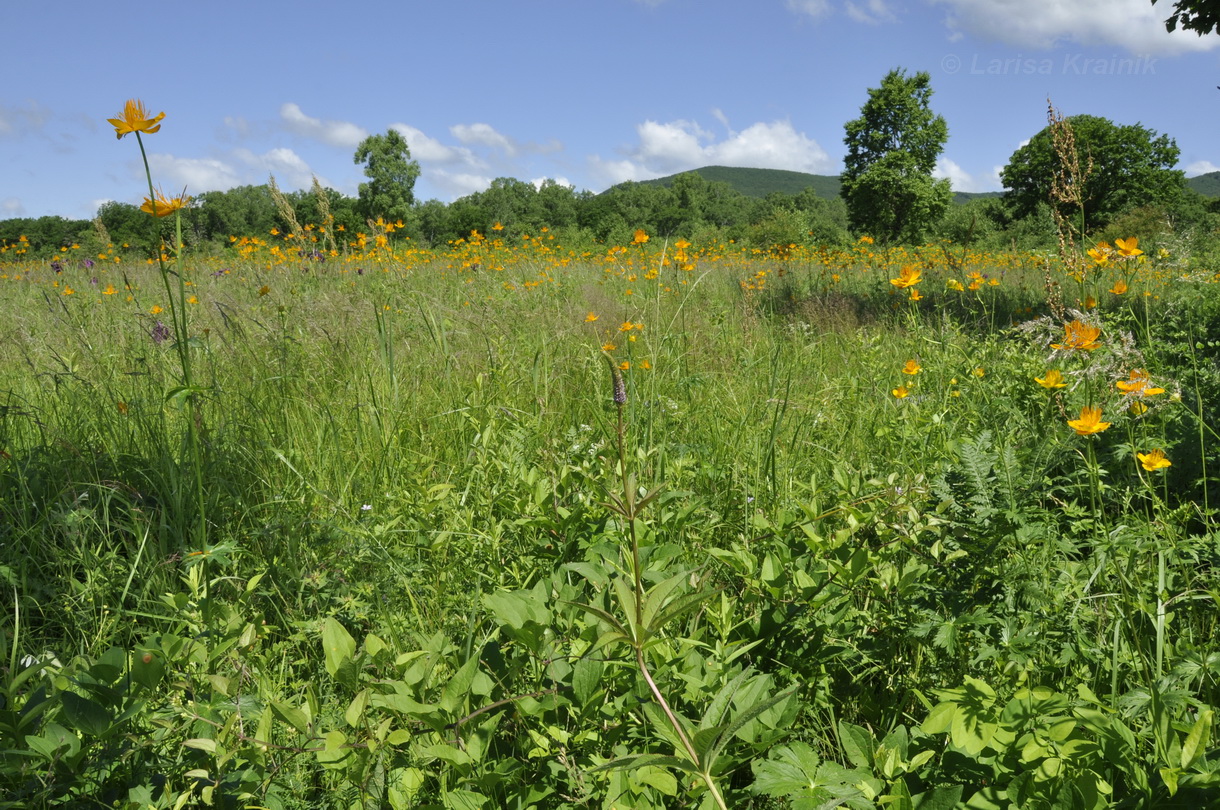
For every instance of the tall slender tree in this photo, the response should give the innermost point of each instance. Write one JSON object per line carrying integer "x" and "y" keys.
{"x": 390, "y": 191}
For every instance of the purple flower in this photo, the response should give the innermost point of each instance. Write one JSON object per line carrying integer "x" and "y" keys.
{"x": 93, "y": 281}
{"x": 360, "y": 271}
{"x": 89, "y": 263}
{"x": 56, "y": 266}
{"x": 160, "y": 333}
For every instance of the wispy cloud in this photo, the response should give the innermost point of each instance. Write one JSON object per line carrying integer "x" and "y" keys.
{"x": 333, "y": 133}
{"x": 1134, "y": 25}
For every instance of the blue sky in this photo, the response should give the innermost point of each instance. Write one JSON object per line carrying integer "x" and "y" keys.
{"x": 587, "y": 92}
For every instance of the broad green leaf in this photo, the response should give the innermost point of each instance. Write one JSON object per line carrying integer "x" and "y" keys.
{"x": 355, "y": 709}
{"x": 787, "y": 771}
{"x": 84, "y": 715}
{"x": 202, "y": 744}
{"x": 945, "y": 797}
{"x": 858, "y": 745}
{"x": 517, "y": 608}
{"x": 292, "y": 716}
{"x": 586, "y": 678}
{"x": 454, "y": 694}
{"x": 940, "y": 719}
{"x": 337, "y": 644}
{"x": 1196, "y": 741}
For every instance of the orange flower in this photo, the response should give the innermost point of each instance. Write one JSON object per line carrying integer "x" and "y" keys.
{"x": 1154, "y": 461}
{"x": 1119, "y": 287}
{"x": 901, "y": 392}
{"x": 1053, "y": 379}
{"x": 640, "y": 237}
{"x": 1089, "y": 422}
{"x": 1078, "y": 335}
{"x": 908, "y": 276}
{"x": 1138, "y": 383}
{"x": 135, "y": 119}
{"x": 164, "y": 207}
{"x": 1128, "y": 248}
{"x": 912, "y": 367}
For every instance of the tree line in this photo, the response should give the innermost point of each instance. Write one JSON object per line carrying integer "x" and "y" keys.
{"x": 1128, "y": 179}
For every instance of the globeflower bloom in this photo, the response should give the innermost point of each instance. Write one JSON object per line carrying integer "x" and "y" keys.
{"x": 1128, "y": 248}
{"x": 164, "y": 206}
{"x": 1053, "y": 379}
{"x": 908, "y": 276}
{"x": 1139, "y": 384}
{"x": 1079, "y": 336}
{"x": 912, "y": 367}
{"x": 135, "y": 119}
{"x": 1089, "y": 422}
{"x": 1154, "y": 461}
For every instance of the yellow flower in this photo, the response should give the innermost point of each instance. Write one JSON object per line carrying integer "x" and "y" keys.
{"x": 1119, "y": 287}
{"x": 192, "y": 300}
{"x": 912, "y": 367}
{"x": 640, "y": 237}
{"x": 1100, "y": 254}
{"x": 624, "y": 365}
{"x": 608, "y": 347}
{"x": 901, "y": 392}
{"x": 1089, "y": 422}
{"x": 626, "y": 326}
{"x": 908, "y": 276}
{"x": 156, "y": 309}
{"x": 590, "y": 318}
{"x": 1154, "y": 461}
{"x": 954, "y": 284}
{"x": 1053, "y": 379}
{"x": 1128, "y": 247}
{"x": 135, "y": 119}
{"x": 1138, "y": 383}
{"x": 263, "y": 290}
{"x": 979, "y": 372}
{"x": 164, "y": 207}
{"x": 915, "y": 296}
{"x": 497, "y": 227}
{"x": 1078, "y": 335}
{"x": 866, "y": 240}
{"x": 1137, "y": 408}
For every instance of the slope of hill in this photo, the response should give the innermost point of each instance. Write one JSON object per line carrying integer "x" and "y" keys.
{"x": 761, "y": 182}
{"x": 1206, "y": 184}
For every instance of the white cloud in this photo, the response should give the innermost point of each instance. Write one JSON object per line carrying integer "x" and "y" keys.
{"x": 683, "y": 145}
{"x": 1135, "y": 25}
{"x": 290, "y": 169}
{"x": 872, "y": 12}
{"x": 961, "y": 180}
{"x": 430, "y": 150}
{"x": 457, "y": 184}
{"x": 29, "y": 117}
{"x": 814, "y": 8}
{"x": 11, "y": 207}
{"x": 1201, "y": 167}
{"x": 334, "y": 133}
{"x": 483, "y": 135}
{"x": 196, "y": 174}
{"x": 538, "y": 182}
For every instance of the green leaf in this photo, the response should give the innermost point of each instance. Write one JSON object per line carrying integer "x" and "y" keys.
{"x": 454, "y": 694}
{"x": 517, "y": 608}
{"x": 355, "y": 709}
{"x": 586, "y": 679}
{"x": 642, "y": 760}
{"x": 291, "y": 715}
{"x": 204, "y": 744}
{"x": 1196, "y": 741}
{"x": 940, "y": 719}
{"x": 945, "y": 797}
{"x": 337, "y": 644}
{"x": 84, "y": 715}
{"x": 741, "y": 720}
{"x": 787, "y": 771}
{"x": 858, "y": 744}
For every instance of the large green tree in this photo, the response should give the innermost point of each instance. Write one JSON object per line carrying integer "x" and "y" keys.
{"x": 1200, "y": 16}
{"x": 390, "y": 191}
{"x": 1125, "y": 166}
{"x": 892, "y": 149}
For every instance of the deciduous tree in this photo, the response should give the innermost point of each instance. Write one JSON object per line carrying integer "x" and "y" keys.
{"x": 1125, "y": 166}
{"x": 390, "y": 191}
{"x": 892, "y": 149}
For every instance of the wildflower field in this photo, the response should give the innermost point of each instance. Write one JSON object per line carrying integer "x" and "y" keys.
{"x": 328, "y": 520}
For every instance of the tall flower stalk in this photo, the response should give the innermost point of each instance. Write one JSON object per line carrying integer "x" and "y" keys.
{"x": 135, "y": 120}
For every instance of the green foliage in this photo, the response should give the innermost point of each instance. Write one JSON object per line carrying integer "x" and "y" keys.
{"x": 390, "y": 191}
{"x": 1126, "y": 166}
{"x": 1200, "y": 16}
{"x": 891, "y": 153}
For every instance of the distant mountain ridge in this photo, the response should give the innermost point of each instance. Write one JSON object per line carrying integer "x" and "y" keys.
{"x": 761, "y": 182}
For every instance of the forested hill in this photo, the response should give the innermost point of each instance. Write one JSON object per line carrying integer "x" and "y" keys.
{"x": 761, "y": 182}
